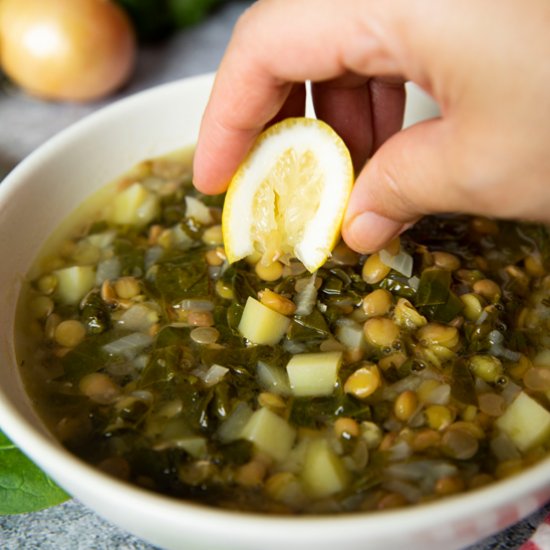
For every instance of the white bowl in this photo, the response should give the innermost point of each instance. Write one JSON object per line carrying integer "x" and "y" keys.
{"x": 44, "y": 189}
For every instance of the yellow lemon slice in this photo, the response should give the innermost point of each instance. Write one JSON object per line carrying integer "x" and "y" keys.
{"x": 288, "y": 197}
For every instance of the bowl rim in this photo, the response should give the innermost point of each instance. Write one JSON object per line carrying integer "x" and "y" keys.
{"x": 68, "y": 470}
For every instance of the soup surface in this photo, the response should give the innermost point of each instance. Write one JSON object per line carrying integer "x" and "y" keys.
{"x": 377, "y": 382}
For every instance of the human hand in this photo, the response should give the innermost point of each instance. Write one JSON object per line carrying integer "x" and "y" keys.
{"x": 485, "y": 63}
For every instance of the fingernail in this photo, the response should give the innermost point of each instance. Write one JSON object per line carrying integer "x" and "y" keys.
{"x": 369, "y": 232}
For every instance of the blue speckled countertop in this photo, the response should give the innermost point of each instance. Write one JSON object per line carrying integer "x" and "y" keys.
{"x": 25, "y": 124}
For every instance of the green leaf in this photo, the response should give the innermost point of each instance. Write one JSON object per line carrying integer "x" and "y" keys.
{"x": 23, "y": 486}
{"x": 446, "y": 312}
{"x": 463, "y": 386}
{"x": 434, "y": 287}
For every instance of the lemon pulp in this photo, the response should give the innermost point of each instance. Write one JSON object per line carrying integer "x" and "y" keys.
{"x": 285, "y": 202}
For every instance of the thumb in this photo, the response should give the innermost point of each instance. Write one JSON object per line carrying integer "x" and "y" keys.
{"x": 410, "y": 175}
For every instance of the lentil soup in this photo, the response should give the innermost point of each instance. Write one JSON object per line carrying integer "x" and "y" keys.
{"x": 377, "y": 382}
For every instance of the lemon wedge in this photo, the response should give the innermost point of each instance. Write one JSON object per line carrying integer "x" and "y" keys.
{"x": 288, "y": 197}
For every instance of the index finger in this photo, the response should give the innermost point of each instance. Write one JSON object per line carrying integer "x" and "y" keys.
{"x": 275, "y": 44}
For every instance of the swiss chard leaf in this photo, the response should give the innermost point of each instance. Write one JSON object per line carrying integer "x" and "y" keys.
{"x": 433, "y": 288}
{"x": 23, "y": 486}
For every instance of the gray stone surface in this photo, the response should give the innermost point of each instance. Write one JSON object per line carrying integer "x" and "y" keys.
{"x": 25, "y": 123}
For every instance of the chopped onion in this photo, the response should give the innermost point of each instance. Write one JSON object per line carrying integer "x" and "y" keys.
{"x": 129, "y": 346}
{"x": 482, "y": 317}
{"x": 197, "y": 210}
{"x": 152, "y": 255}
{"x": 350, "y": 334}
{"x": 510, "y": 392}
{"x": 305, "y": 300}
{"x": 196, "y": 305}
{"x": 139, "y": 317}
{"x": 439, "y": 395}
{"x": 495, "y": 337}
{"x": 107, "y": 270}
{"x": 213, "y": 375}
{"x": 414, "y": 282}
{"x": 402, "y": 262}
{"x": 232, "y": 428}
{"x": 410, "y": 382}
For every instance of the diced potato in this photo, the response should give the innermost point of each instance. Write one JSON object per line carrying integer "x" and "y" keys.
{"x": 273, "y": 378}
{"x": 525, "y": 422}
{"x": 323, "y": 473}
{"x": 270, "y": 433}
{"x": 74, "y": 282}
{"x": 262, "y": 325}
{"x": 314, "y": 374}
{"x": 134, "y": 206}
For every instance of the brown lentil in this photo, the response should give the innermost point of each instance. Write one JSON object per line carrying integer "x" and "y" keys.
{"x": 374, "y": 270}
{"x": 449, "y": 485}
{"x": 445, "y": 260}
{"x": 381, "y": 331}
{"x": 127, "y": 287}
{"x": 276, "y": 302}
{"x": 364, "y": 381}
{"x": 346, "y": 427}
{"x": 69, "y": 333}
{"x": 270, "y": 272}
{"x": 438, "y": 416}
{"x": 213, "y": 235}
{"x": 405, "y": 405}
{"x": 99, "y": 387}
{"x": 204, "y": 335}
{"x": 438, "y": 334}
{"x": 200, "y": 318}
{"x": 488, "y": 289}
{"x": 459, "y": 444}
{"x": 377, "y": 303}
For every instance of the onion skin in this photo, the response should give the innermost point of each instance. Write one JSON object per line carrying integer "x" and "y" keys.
{"x": 66, "y": 50}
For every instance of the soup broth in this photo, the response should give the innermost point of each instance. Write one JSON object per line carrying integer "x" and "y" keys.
{"x": 377, "y": 382}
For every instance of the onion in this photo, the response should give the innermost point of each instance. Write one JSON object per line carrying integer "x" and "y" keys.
{"x": 414, "y": 282}
{"x": 440, "y": 395}
{"x": 402, "y": 262}
{"x": 232, "y": 428}
{"x": 197, "y": 210}
{"x": 196, "y": 305}
{"x": 510, "y": 392}
{"x": 306, "y": 298}
{"x": 350, "y": 334}
{"x": 128, "y": 346}
{"x": 77, "y": 50}
{"x": 400, "y": 451}
{"x": 139, "y": 317}
{"x": 152, "y": 255}
{"x": 212, "y": 375}
{"x": 107, "y": 270}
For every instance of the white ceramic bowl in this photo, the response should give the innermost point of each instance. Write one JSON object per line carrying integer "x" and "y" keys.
{"x": 44, "y": 189}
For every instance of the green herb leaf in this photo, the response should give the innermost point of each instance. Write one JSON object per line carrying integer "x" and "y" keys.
{"x": 23, "y": 486}
{"x": 433, "y": 288}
